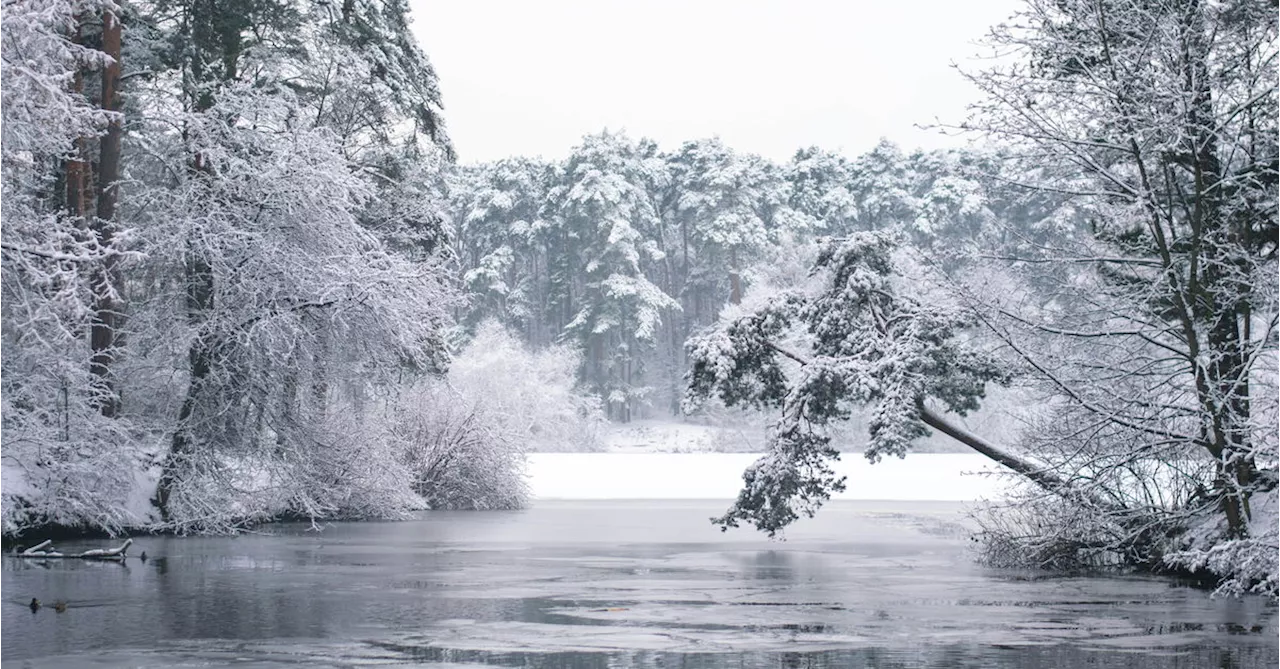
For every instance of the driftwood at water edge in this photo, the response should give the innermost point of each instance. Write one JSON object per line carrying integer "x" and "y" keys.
{"x": 37, "y": 552}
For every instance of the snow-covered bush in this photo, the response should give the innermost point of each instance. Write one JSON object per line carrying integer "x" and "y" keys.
{"x": 463, "y": 438}
{"x": 457, "y": 455}
{"x": 528, "y": 396}
{"x": 333, "y": 468}
{"x": 1241, "y": 565}
{"x": 348, "y": 471}
{"x": 1035, "y": 530}
{"x": 82, "y": 482}
{"x": 1099, "y": 526}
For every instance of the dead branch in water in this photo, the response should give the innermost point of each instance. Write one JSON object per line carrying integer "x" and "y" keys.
{"x": 36, "y": 552}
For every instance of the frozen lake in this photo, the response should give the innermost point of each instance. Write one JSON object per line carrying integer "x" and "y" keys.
{"x": 596, "y": 584}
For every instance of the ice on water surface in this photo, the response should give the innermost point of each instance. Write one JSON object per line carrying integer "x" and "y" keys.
{"x": 616, "y": 584}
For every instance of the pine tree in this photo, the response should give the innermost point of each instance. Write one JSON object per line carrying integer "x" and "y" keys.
{"x": 605, "y": 213}
{"x": 502, "y": 244}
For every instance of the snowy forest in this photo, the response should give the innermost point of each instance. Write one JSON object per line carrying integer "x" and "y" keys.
{"x": 246, "y": 278}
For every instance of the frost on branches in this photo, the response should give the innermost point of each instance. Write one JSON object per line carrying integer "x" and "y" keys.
{"x": 464, "y": 437}
{"x": 63, "y": 461}
{"x": 1156, "y": 344}
{"x": 292, "y": 311}
{"x": 855, "y": 340}
{"x": 267, "y": 241}
{"x": 530, "y": 395}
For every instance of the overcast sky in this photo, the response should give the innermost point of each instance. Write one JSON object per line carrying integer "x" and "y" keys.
{"x": 531, "y": 78}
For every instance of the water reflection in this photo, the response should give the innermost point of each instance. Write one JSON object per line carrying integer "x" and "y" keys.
{"x": 541, "y": 589}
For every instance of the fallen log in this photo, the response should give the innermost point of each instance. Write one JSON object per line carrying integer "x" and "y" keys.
{"x": 37, "y": 552}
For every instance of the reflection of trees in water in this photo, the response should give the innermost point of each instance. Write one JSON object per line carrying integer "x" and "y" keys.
{"x": 768, "y": 566}
{"x": 226, "y": 605}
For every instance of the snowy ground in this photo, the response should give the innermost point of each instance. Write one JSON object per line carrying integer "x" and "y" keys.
{"x": 674, "y": 460}
{"x": 639, "y": 475}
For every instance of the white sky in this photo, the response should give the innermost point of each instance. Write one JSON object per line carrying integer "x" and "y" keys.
{"x": 767, "y": 76}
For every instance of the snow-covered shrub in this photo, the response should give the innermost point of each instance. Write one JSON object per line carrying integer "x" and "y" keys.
{"x": 527, "y": 396}
{"x": 288, "y": 460}
{"x": 333, "y": 468}
{"x": 457, "y": 455}
{"x": 82, "y": 482}
{"x": 1035, "y": 530}
{"x": 346, "y": 470}
{"x": 1123, "y": 506}
{"x": 463, "y": 438}
{"x": 1242, "y": 565}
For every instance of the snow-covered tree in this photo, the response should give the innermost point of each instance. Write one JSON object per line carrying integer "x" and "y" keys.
{"x": 720, "y": 210}
{"x": 935, "y": 196}
{"x": 503, "y": 244}
{"x": 820, "y": 191}
{"x": 361, "y": 75}
{"x": 718, "y": 221}
{"x": 605, "y": 214}
{"x": 1160, "y": 118}
{"x": 289, "y": 301}
{"x": 287, "y": 174}
{"x": 865, "y": 343}
{"x": 59, "y": 245}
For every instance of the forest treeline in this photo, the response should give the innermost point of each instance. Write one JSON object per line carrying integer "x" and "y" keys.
{"x": 623, "y": 250}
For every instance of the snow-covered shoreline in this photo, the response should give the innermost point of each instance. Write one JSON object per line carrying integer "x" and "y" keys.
{"x": 660, "y": 475}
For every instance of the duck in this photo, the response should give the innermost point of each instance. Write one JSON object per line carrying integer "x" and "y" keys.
{"x": 60, "y": 606}
{"x": 35, "y": 605}
{"x": 143, "y": 557}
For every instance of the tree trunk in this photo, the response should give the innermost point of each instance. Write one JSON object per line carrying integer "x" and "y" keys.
{"x": 214, "y": 33}
{"x": 1034, "y": 473}
{"x": 735, "y": 278}
{"x": 77, "y": 168}
{"x": 183, "y": 443}
{"x": 1218, "y": 293}
{"x": 104, "y": 332}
